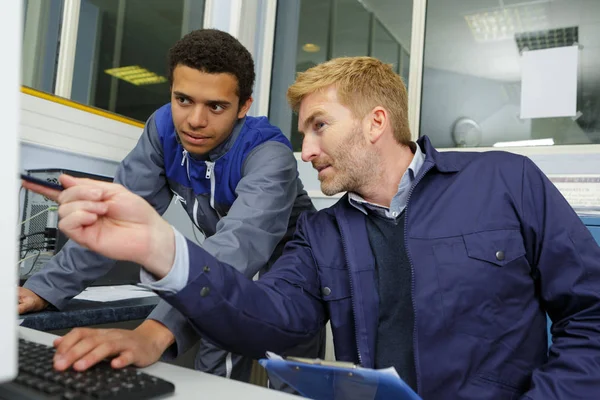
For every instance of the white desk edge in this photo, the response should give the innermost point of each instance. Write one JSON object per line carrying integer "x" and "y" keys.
{"x": 189, "y": 384}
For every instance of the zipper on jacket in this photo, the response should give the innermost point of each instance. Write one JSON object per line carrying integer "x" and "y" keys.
{"x": 195, "y": 213}
{"x": 228, "y": 366}
{"x": 353, "y": 302}
{"x": 210, "y": 174}
{"x": 185, "y": 161}
{"x": 195, "y": 220}
{"x": 412, "y": 277}
{"x": 178, "y": 197}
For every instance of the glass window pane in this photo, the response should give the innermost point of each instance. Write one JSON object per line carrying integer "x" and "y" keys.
{"x": 351, "y": 25}
{"x": 313, "y": 38}
{"x": 472, "y": 71}
{"x": 404, "y": 65}
{"x": 41, "y": 33}
{"x": 121, "y": 54}
{"x": 319, "y": 30}
{"x": 385, "y": 47}
{"x": 393, "y": 22}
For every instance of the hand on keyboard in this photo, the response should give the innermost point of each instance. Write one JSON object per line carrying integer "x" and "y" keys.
{"x": 38, "y": 380}
{"x": 84, "y": 347}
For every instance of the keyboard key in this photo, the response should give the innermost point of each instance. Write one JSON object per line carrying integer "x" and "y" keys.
{"x": 74, "y": 396}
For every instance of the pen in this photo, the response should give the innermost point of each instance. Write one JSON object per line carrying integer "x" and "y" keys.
{"x": 41, "y": 182}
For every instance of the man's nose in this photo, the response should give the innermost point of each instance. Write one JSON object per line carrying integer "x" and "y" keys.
{"x": 198, "y": 117}
{"x": 310, "y": 148}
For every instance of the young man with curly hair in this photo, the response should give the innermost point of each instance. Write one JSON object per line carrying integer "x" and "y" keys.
{"x": 235, "y": 175}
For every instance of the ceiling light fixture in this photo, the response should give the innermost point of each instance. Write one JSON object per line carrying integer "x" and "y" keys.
{"x": 503, "y": 23}
{"x": 526, "y": 143}
{"x": 311, "y": 48}
{"x": 136, "y": 75}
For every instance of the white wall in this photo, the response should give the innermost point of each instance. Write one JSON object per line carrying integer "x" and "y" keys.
{"x": 60, "y": 127}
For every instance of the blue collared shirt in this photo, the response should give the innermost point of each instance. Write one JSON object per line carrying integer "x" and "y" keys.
{"x": 400, "y": 199}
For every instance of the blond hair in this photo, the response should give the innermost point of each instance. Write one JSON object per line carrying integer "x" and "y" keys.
{"x": 362, "y": 84}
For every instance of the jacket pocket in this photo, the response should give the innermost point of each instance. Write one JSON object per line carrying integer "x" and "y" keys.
{"x": 482, "y": 277}
{"x": 495, "y": 247}
{"x": 335, "y": 284}
{"x": 336, "y": 293}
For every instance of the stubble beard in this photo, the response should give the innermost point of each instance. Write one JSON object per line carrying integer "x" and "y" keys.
{"x": 356, "y": 166}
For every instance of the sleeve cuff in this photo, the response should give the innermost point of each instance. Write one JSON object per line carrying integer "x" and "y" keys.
{"x": 177, "y": 277}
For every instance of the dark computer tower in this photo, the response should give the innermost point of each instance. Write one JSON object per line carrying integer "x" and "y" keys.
{"x": 40, "y": 238}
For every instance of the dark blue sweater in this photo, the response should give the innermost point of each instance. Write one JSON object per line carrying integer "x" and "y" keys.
{"x": 394, "y": 343}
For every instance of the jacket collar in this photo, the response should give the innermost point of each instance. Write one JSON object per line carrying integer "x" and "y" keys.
{"x": 443, "y": 162}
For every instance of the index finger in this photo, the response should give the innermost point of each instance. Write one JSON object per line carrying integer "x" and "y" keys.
{"x": 52, "y": 194}
{"x": 108, "y": 188}
{"x": 88, "y": 189}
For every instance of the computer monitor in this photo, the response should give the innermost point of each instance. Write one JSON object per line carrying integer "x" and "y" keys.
{"x": 40, "y": 238}
{"x": 10, "y": 79}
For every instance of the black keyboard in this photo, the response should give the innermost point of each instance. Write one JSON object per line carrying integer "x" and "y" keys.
{"x": 38, "y": 379}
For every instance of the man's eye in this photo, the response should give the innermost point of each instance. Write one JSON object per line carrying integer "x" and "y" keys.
{"x": 319, "y": 126}
{"x": 216, "y": 107}
{"x": 182, "y": 100}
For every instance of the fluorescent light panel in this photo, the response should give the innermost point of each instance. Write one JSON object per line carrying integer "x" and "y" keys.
{"x": 136, "y": 75}
{"x": 503, "y": 23}
{"x": 526, "y": 143}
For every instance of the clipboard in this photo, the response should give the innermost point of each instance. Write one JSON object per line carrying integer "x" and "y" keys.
{"x": 326, "y": 380}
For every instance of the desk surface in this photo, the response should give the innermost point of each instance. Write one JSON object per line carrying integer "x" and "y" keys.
{"x": 189, "y": 384}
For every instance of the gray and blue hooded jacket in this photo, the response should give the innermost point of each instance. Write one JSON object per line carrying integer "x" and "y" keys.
{"x": 245, "y": 195}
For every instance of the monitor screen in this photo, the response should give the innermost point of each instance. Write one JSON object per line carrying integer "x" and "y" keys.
{"x": 10, "y": 43}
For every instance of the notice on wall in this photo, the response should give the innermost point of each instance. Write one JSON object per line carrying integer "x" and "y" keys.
{"x": 549, "y": 82}
{"x": 581, "y": 191}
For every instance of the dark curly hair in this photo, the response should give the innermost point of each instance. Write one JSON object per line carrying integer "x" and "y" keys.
{"x": 213, "y": 51}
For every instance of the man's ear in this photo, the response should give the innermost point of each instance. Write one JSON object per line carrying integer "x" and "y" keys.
{"x": 377, "y": 123}
{"x": 244, "y": 108}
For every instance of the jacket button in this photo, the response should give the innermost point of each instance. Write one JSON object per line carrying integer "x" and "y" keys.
{"x": 326, "y": 291}
{"x": 500, "y": 255}
{"x": 205, "y": 291}
{"x": 206, "y": 268}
